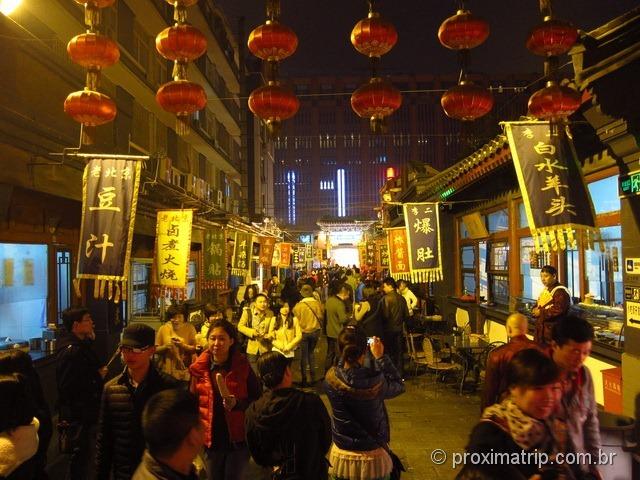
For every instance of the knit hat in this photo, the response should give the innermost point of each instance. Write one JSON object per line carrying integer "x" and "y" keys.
{"x": 138, "y": 335}
{"x": 306, "y": 291}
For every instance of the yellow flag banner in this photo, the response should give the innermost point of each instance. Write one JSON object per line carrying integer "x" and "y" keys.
{"x": 242, "y": 253}
{"x": 556, "y": 200}
{"x": 173, "y": 246}
{"x": 398, "y": 253}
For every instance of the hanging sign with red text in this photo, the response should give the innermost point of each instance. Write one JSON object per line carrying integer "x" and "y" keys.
{"x": 398, "y": 253}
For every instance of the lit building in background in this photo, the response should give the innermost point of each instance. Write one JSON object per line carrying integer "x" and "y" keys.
{"x": 328, "y": 164}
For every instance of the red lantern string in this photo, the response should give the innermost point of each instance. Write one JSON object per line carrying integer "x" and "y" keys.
{"x": 181, "y": 43}
{"x": 94, "y": 52}
{"x": 463, "y": 32}
{"x": 377, "y": 99}
{"x": 272, "y": 42}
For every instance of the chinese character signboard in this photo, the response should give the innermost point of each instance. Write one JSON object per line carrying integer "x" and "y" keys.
{"x": 362, "y": 253}
{"x": 299, "y": 254}
{"x": 173, "y": 246}
{"x": 285, "y": 255}
{"x": 267, "y": 245}
{"x": 109, "y": 200}
{"x": 398, "y": 253}
{"x": 370, "y": 259}
{"x": 214, "y": 257}
{"x": 275, "y": 258}
{"x": 242, "y": 251}
{"x": 555, "y": 197}
{"x": 383, "y": 255}
{"x": 422, "y": 224}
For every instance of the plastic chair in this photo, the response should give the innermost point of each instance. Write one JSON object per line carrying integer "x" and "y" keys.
{"x": 463, "y": 324}
{"x": 435, "y": 364}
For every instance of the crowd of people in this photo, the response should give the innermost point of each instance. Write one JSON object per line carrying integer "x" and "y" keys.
{"x": 216, "y": 394}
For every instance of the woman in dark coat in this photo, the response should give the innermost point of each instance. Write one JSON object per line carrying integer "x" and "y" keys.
{"x": 360, "y": 421}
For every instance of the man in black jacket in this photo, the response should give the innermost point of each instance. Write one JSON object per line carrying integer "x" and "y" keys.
{"x": 287, "y": 429}
{"x": 79, "y": 378}
{"x": 394, "y": 314}
{"x": 120, "y": 442}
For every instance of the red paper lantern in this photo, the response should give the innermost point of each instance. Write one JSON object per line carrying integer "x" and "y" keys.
{"x": 467, "y": 101}
{"x": 376, "y": 100}
{"x": 552, "y": 37}
{"x": 272, "y": 102}
{"x": 90, "y": 108}
{"x": 181, "y": 43}
{"x": 463, "y": 31}
{"x": 181, "y": 97}
{"x": 373, "y": 36}
{"x": 93, "y": 51}
{"x": 272, "y": 41}
{"x": 554, "y": 102}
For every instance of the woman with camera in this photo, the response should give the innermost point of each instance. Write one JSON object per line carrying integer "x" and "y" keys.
{"x": 360, "y": 422}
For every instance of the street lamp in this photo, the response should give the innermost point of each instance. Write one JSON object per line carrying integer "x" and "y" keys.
{"x": 7, "y": 7}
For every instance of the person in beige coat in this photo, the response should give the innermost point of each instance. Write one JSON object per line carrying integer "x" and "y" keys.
{"x": 310, "y": 315}
{"x": 284, "y": 332}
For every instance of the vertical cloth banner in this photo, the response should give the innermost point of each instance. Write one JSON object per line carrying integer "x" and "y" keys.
{"x": 109, "y": 201}
{"x": 383, "y": 255}
{"x": 173, "y": 246}
{"x": 242, "y": 251}
{"x": 398, "y": 253}
{"x": 267, "y": 245}
{"x": 285, "y": 255}
{"x": 275, "y": 258}
{"x": 371, "y": 254}
{"x": 362, "y": 253}
{"x": 555, "y": 196}
{"x": 214, "y": 257}
{"x": 422, "y": 223}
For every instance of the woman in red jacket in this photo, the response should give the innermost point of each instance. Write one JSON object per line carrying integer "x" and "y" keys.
{"x": 225, "y": 386}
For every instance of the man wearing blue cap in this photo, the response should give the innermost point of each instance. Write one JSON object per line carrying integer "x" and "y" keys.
{"x": 120, "y": 442}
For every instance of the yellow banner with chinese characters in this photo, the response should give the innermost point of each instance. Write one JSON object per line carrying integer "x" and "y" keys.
{"x": 398, "y": 253}
{"x": 173, "y": 246}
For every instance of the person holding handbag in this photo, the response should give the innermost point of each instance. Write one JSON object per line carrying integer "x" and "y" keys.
{"x": 309, "y": 312}
{"x": 360, "y": 425}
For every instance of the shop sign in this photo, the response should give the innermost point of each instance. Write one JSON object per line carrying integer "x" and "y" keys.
{"x": 109, "y": 200}
{"x": 285, "y": 255}
{"x": 242, "y": 251}
{"x": 632, "y": 266}
{"x": 633, "y": 314}
{"x": 398, "y": 253}
{"x": 173, "y": 246}
{"x": 370, "y": 259}
{"x": 267, "y": 245}
{"x": 555, "y": 197}
{"x": 422, "y": 223}
{"x": 214, "y": 250}
{"x": 629, "y": 184}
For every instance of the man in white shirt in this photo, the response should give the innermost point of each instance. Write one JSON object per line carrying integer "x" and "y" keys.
{"x": 408, "y": 295}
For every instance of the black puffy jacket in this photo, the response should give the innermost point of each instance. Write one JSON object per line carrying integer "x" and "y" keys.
{"x": 120, "y": 442}
{"x": 357, "y": 395}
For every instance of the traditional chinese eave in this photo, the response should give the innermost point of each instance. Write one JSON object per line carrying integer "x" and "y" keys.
{"x": 469, "y": 170}
{"x": 343, "y": 225}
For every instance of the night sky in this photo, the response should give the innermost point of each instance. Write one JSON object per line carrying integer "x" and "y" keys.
{"x": 323, "y": 29}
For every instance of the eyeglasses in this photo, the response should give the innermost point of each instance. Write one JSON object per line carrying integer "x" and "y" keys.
{"x": 127, "y": 349}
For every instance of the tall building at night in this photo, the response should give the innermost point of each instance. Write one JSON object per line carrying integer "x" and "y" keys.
{"x": 327, "y": 163}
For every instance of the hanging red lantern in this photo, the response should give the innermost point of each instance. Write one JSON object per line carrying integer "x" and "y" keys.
{"x": 92, "y": 50}
{"x": 467, "y": 101}
{"x": 96, "y": 3}
{"x": 552, "y": 37}
{"x": 273, "y": 103}
{"x": 463, "y": 31}
{"x": 554, "y": 102}
{"x": 181, "y": 97}
{"x": 272, "y": 41}
{"x": 376, "y": 100}
{"x": 92, "y": 14}
{"x": 90, "y": 108}
{"x": 181, "y": 43}
{"x": 373, "y": 36}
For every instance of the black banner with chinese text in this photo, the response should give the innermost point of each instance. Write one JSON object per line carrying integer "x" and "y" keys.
{"x": 555, "y": 196}
{"x": 109, "y": 200}
{"x": 422, "y": 223}
{"x": 242, "y": 251}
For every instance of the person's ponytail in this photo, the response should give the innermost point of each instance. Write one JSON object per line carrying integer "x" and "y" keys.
{"x": 352, "y": 343}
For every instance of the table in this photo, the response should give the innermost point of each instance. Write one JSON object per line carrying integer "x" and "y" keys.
{"x": 469, "y": 348}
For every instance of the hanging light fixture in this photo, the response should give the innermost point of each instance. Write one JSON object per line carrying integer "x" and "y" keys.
{"x": 378, "y": 98}
{"x": 463, "y": 32}
{"x": 550, "y": 39}
{"x": 94, "y": 52}
{"x": 181, "y": 43}
{"x": 273, "y": 42}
